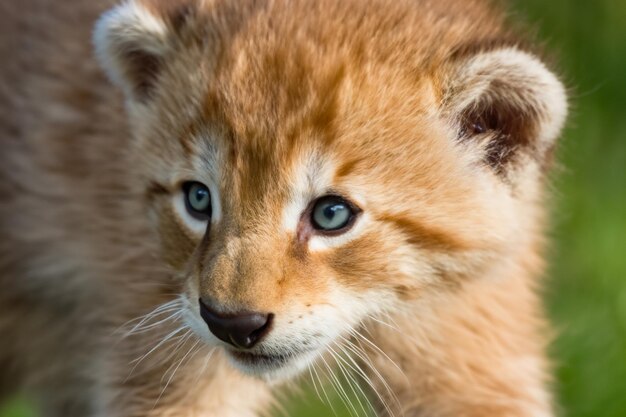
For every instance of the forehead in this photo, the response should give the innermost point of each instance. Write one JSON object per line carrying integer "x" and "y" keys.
{"x": 331, "y": 121}
{"x": 277, "y": 74}
{"x": 306, "y": 89}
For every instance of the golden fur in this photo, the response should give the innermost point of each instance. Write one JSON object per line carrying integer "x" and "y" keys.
{"x": 428, "y": 114}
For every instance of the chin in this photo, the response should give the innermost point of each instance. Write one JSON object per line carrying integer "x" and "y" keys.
{"x": 271, "y": 367}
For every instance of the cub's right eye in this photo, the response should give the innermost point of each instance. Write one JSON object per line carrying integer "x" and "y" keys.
{"x": 198, "y": 200}
{"x": 332, "y": 215}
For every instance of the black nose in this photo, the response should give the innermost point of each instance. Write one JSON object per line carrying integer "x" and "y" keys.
{"x": 242, "y": 330}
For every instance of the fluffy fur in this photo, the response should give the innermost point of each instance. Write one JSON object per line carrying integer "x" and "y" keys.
{"x": 429, "y": 115}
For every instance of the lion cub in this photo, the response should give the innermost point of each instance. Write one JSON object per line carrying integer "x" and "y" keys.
{"x": 339, "y": 189}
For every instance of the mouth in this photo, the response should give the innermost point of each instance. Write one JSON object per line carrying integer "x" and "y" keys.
{"x": 256, "y": 359}
{"x": 272, "y": 366}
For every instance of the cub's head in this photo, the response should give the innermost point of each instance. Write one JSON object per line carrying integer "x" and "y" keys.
{"x": 312, "y": 165}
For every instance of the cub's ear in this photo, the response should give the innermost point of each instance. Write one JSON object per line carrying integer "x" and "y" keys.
{"x": 131, "y": 44}
{"x": 508, "y": 104}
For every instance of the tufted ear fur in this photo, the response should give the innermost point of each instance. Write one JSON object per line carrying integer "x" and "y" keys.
{"x": 131, "y": 45}
{"x": 507, "y": 102}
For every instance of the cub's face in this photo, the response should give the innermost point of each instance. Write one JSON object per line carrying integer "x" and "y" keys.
{"x": 303, "y": 184}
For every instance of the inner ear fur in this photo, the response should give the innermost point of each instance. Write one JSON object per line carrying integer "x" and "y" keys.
{"x": 508, "y": 102}
{"x": 133, "y": 41}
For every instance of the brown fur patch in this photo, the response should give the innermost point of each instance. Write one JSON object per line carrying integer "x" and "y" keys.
{"x": 427, "y": 237}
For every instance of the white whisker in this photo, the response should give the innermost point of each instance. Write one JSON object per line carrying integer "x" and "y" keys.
{"x": 168, "y": 338}
{"x": 379, "y": 350}
{"x": 360, "y": 353}
{"x": 180, "y": 362}
{"x": 339, "y": 389}
{"x": 314, "y": 384}
{"x": 205, "y": 364}
{"x": 353, "y": 365}
{"x": 350, "y": 380}
{"x": 328, "y": 401}
{"x": 164, "y": 308}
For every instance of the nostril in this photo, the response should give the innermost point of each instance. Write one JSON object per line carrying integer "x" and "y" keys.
{"x": 259, "y": 333}
{"x": 242, "y": 330}
{"x": 247, "y": 329}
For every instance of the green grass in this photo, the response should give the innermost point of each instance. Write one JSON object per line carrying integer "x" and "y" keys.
{"x": 16, "y": 409}
{"x": 586, "y": 290}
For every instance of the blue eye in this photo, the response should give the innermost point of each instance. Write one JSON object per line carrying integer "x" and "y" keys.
{"x": 198, "y": 200}
{"x": 331, "y": 213}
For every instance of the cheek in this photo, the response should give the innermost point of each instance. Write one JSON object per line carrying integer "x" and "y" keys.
{"x": 362, "y": 263}
{"x": 382, "y": 262}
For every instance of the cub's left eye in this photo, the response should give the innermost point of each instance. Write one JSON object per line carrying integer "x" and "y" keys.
{"x": 332, "y": 213}
{"x": 198, "y": 200}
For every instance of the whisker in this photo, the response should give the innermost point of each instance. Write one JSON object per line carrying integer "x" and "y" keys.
{"x": 143, "y": 329}
{"x": 165, "y": 340}
{"x": 170, "y": 337}
{"x": 339, "y": 389}
{"x": 328, "y": 401}
{"x": 367, "y": 379}
{"x": 360, "y": 353}
{"x": 180, "y": 345}
{"x": 351, "y": 380}
{"x": 379, "y": 350}
{"x": 159, "y": 310}
{"x": 204, "y": 366}
{"x": 174, "y": 373}
{"x": 349, "y": 361}
{"x": 314, "y": 384}
{"x": 379, "y": 321}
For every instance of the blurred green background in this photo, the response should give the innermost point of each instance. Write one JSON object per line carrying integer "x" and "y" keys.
{"x": 586, "y": 289}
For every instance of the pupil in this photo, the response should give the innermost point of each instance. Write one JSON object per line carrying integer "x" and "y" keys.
{"x": 329, "y": 211}
{"x": 200, "y": 195}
